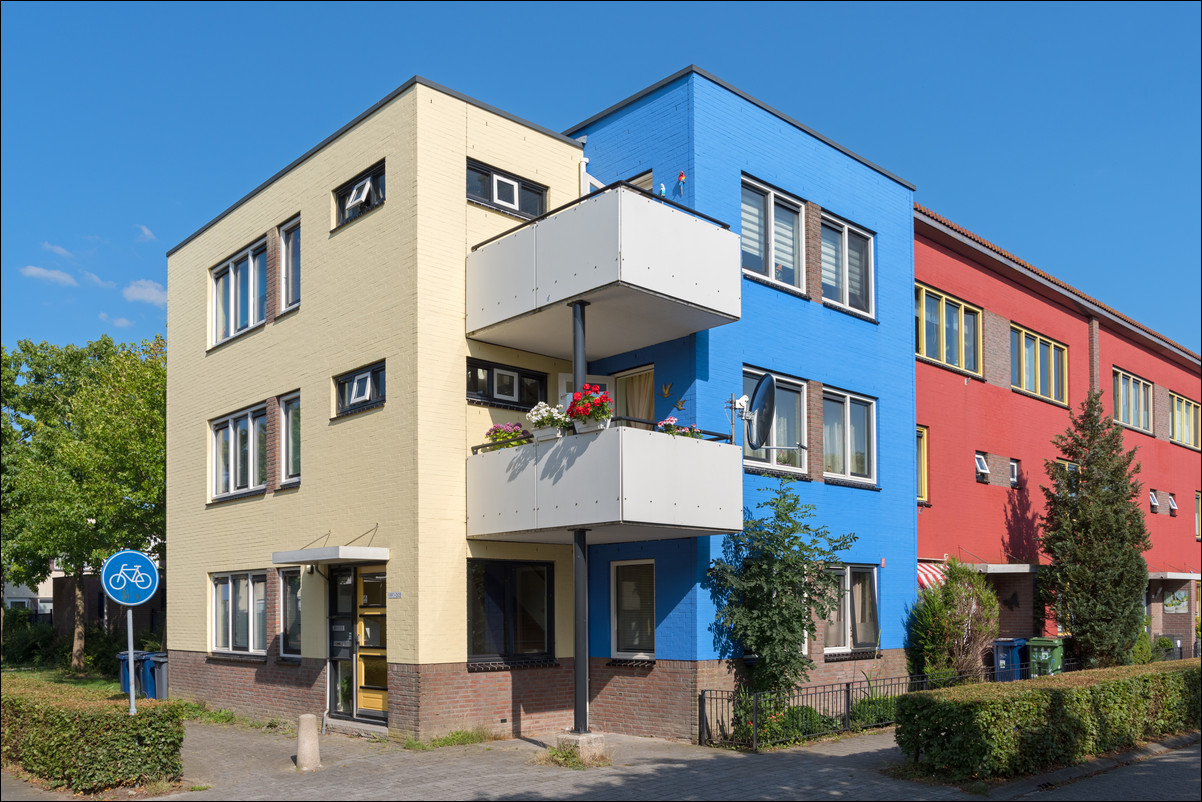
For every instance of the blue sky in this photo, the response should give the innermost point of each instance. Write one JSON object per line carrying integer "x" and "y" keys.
{"x": 1067, "y": 134}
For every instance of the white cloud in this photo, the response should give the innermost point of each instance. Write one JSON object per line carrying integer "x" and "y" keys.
{"x": 146, "y": 234}
{"x": 119, "y": 322}
{"x": 57, "y": 249}
{"x": 92, "y": 278}
{"x": 53, "y": 276}
{"x": 145, "y": 290}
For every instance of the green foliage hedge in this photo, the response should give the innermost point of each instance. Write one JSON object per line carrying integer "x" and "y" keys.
{"x": 1013, "y": 728}
{"x": 84, "y": 740}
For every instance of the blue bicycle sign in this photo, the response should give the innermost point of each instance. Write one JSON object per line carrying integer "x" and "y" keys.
{"x": 130, "y": 578}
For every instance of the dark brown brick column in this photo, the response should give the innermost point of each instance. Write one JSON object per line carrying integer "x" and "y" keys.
{"x": 273, "y": 437}
{"x": 273, "y": 274}
{"x": 814, "y": 430}
{"x": 996, "y": 349}
{"x": 813, "y": 249}
{"x": 1095, "y": 356}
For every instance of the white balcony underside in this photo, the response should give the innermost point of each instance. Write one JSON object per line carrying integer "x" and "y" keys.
{"x": 622, "y": 484}
{"x": 650, "y": 272}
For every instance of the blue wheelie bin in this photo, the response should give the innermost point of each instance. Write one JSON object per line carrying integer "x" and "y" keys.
{"x": 1008, "y": 658}
{"x": 153, "y": 672}
{"x": 123, "y": 662}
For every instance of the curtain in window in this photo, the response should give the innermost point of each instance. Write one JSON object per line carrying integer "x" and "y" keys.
{"x": 292, "y": 249}
{"x": 259, "y": 422}
{"x": 258, "y": 586}
{"x": 861, "y": 441}
{"x": 970, "y": 340}
{"x": 833, "y": 443}
{"x": 292, "y": 412}
{"x": 221, "y": 601}
{"x": 784, "y": 239}
{"x": 241, "y": 602}
{"x": 753, "y": 231}
{"x": 857, "y": 272}
{"x": 787, "y": 431}
{"x": 932, "y": 338}
{"x": 832, "y": 264}
{"x": 639, "y": 393}
{"x": 223, "y": 305}
{"x": 634, "y": 589}
{"x": 951, "y": 339}
{"x": 835, "y": 634}
{"x": 863, "y": 603}
{"x": 260, "y": 259}
{"x": 242, "y": 291}
{"x": 242, "y": 444}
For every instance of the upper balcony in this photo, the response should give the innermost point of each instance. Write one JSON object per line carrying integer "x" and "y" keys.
{"x": 651, "y": 271}
{"x": 622, "y": 484}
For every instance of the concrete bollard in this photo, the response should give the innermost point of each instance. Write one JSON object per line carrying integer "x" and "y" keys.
{"x": 308, "y": 752}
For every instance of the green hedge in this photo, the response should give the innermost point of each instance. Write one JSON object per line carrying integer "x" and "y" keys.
{"x": 83, "y": 740}
{"x": 1012, "y": 728}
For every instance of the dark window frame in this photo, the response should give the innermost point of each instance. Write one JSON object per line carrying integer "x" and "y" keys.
{"x": 490, "y": 396}
{"x": 344, "y": 387}
{"x": 510, "y": 612}
{"x": 375, "y": 196}
{"x": 522, "y": 184}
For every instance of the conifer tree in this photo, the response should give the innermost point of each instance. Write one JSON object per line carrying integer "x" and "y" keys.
{"x": 1093, "y": 531}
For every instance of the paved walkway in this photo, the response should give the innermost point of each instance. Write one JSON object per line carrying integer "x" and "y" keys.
{"x": 246, "y": 764}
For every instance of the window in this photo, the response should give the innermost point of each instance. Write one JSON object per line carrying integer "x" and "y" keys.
{"x": 848, "y": 436}
{"x": 1015, "y": 472}
{"x": 772, "y": 226}
{"x": 360, "y": 195}
{"x": 982, "y": 467}
{"x": 846, "y": 265}
{"x": 1153, "y": 501}
{"x": 240, "y": 292}
{"x": 853, "y": 624}
{"x": 1185, "y": 420}
{"x": 1172, "y": 505}
{"x": 240, "y": 612}
{"x": 1073, "y": 473}
{"x": 360, "y": 389}
{"x": 632, "y": 601}
{"x": 1132, "y": 401}
{"x": 923, "y": 493}
{"x": 1198, "y": 514}
{"x": 509, "y": 610}
{"x": 788, "y": 427}
{"x": 290, "y": 415}
{"x": 506, "y": 192}
{"x": 240, "y": 452}
{"x": 290, "y": 612}
{"x": 290, "y": 256}
{"x": 493, "y": 383}
{"x": 1038, "y": 365}
{"x": 946, "y": 329}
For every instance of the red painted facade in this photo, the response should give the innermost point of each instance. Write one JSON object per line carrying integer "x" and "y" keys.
{"x": 983, "y": 519}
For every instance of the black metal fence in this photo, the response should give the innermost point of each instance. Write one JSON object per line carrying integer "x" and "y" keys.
{"x": 739, "y": 718}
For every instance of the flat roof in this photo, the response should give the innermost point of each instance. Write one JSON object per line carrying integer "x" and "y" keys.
{"x": 693, "y": 68}
{"x": 417, "y": 79}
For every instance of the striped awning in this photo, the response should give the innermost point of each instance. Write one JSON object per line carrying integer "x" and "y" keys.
{"x": 930, "y": 575}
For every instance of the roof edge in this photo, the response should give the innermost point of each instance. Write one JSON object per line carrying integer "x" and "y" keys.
{"x": 400, "y": 90}
{"x": 694, "y": 69}
{"x": 983, "y": 245}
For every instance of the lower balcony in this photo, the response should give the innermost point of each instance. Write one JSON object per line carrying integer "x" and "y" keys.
{"x": 622, "y": 484}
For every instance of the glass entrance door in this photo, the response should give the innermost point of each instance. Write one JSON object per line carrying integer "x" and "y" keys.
{"x": 358, "y": 643}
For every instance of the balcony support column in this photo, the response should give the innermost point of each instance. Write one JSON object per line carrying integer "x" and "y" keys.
{"x": 579, "y": 551}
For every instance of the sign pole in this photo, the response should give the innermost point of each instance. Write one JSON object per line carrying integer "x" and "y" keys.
{"x": 129, "y": 636}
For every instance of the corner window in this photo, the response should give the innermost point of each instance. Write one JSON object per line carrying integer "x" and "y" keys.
{"x": 853, "y": 623}
{"x": 923, "y": 492}
{"x": 290, "y": 415}
{"x": 240, "y": 292}
{"x": 359, "y": 389}
{"x": 509, "y": 610}
{"x": 290, "y": 612}
{"x": 1038, "y": 365}
{"x": 848, "y": 436}
{"x": 290, "y": 256}
{"x": 846, "y": 265}
{"x": 632, "y": 602}
{"x": 788, "y": 427}
{"x": 240, "y": 452}
{"x": 240, "y": 613}
{"x": 771, "y": 235}
{"x": 947, "y": 329}
{"x": 491, "y": 383}
{"x": 504, "y": 191}
{"x": 1132, "y": 401}
{"x": 1185, "y": 421}
{"x": 360, "y": 195}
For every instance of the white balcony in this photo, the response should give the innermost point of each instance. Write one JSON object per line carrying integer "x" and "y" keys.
{"x": 651, "y": 272}
{"x": 622, "y": 484}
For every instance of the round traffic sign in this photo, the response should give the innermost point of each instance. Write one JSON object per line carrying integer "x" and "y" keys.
{"x": 130, "y": 578}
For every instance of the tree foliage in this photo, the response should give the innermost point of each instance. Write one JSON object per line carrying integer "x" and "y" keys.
{"x": 951, "y": 625}
{"x": 771, "y": 586}
{"x": 1094, "y": 534}
{"x": 85, "y": 475}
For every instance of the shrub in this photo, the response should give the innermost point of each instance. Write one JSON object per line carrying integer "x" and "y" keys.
{"x": 1141, "y": 653}
{"x": 29, "y": 644}
{"x": 950, "y": 626}
{"x": 873, "y": 711}
{"x": 778, "y": 722}
{"x": 85, "y": 740}
{"x": 1010, "y": 728}
{"x": 1162, "y": 648}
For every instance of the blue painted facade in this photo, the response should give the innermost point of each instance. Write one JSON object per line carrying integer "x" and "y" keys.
{"x": 717, "y": 137}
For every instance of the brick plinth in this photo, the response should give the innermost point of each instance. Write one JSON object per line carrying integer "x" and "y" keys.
{"x": 253, "y": 687}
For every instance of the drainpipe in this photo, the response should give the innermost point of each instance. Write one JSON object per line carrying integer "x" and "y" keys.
{"x": 579, "y": 545}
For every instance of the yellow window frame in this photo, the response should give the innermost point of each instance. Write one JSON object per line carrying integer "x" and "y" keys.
{"x": 1185, "y": 421}
{"x": 921, "y": 294}
{"x": 1058, "y": 380}
{"x": 923, "y": 475}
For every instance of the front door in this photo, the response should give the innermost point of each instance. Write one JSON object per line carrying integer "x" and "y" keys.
{"x": 358, "y": 645}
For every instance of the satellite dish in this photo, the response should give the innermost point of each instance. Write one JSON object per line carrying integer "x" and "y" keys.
{"x": 761, "y": 413}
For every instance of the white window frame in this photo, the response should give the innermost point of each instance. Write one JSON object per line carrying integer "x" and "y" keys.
{"x": 281, "y": 574}
{"x": 251, "y": 627}
{"x": 1142, "y": 394}
{"x": 1153, "y": 500}
{"x": 845, "y": 603}
{"x": 845, "y": 227}
{"x": 497, "y": 180}
{"x": 613, "y": 611}
{"x": 286, "y": 438}
{"x": 564, "y": 380}
{"x": 497, "y": 373}
{"x": 1172, "y": 505}
{"x": 847, "y": 398}
{"x": 360, "y": 394}
{"x": 1015, "y": 470}
{"x": 771, "y": 199}
{"x": 226, "y": 270}
{"x": 228, "y": 423}
{"x": 286, "y": 280}
{"x": 359, "y": 194}
{"x": 981, "y": 463}
{"x": 770, "y": 459}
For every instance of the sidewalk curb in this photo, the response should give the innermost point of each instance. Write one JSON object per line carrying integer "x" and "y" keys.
{"x": 1031, "y": 785}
